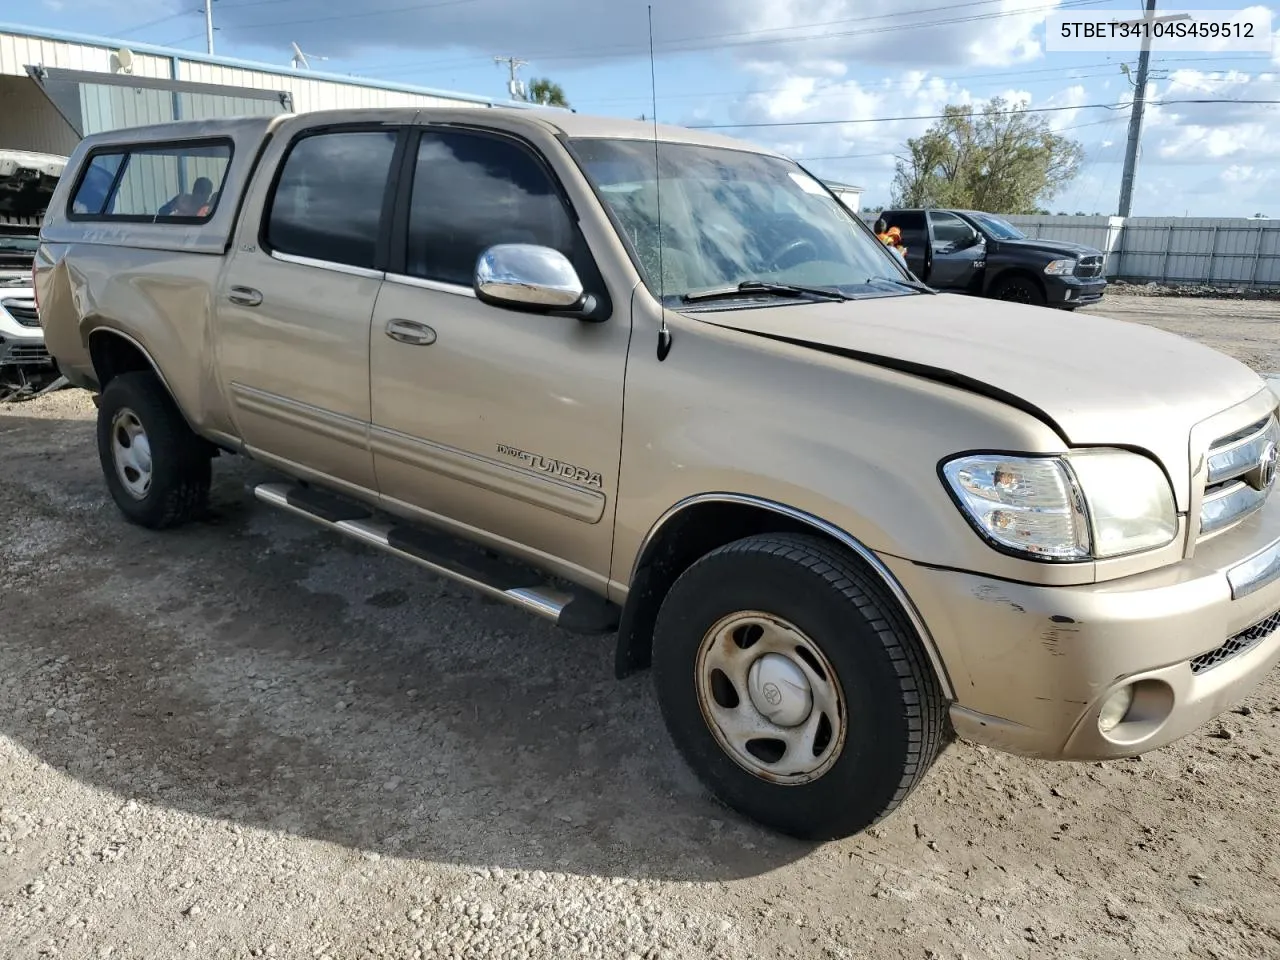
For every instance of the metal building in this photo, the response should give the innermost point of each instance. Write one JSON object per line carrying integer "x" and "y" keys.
{"x": 58, "y": 87}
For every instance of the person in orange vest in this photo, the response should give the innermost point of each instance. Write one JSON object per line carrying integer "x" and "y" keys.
{"x": 891, "y": 237}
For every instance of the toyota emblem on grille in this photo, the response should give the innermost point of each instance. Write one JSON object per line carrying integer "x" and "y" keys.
{"x": 1265, "y": 472}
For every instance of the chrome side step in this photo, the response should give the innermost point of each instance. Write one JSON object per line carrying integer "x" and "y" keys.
{"x": 446, "y": 556}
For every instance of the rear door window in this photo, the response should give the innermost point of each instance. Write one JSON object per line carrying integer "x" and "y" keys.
{"x": 328, "y": 202}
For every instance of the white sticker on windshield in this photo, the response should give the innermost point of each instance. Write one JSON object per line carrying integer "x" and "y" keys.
{"x": 807, "y": 183}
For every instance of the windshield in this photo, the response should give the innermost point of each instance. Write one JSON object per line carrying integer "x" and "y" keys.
{"x": 1000, "y": 229}
{"x": 731, "y": 217}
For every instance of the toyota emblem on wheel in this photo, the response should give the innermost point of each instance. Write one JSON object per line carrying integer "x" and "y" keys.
{"x": 772, "y": 694}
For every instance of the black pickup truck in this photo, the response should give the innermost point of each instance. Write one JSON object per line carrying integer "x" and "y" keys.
{"x": 979, "y": 253}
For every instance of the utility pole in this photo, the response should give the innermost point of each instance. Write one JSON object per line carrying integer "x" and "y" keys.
{"x": 514, "y": 85}
{"x": 208, "y": 25}
{"x": 1139, "y": 103}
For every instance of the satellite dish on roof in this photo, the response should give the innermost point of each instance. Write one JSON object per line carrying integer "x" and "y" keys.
{"x": 124, "y": 60}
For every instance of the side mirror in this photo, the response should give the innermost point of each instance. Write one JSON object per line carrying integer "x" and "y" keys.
{"x": 525, "y": 276}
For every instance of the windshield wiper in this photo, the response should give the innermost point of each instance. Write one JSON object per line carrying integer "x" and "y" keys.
{"x": 749, "y": 288}
{"x": 909, "y": 284}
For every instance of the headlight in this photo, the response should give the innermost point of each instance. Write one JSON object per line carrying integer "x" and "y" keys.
{"x": 1085, "y": 505}
{"x": 1061, "y": 268}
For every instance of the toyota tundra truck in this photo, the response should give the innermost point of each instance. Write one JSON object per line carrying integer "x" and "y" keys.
{"x": 656, "y": 384}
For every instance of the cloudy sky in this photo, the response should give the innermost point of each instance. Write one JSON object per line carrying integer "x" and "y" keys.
{"x": 858, "y": 62}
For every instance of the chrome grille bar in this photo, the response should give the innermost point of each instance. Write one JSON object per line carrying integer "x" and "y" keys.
{"x": 1240, "y": 468}
{"x": 1240, "y": 456}
{"x": 1224, "y": 507}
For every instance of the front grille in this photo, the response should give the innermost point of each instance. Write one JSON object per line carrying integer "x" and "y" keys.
{"x": 1089, "y": 267}
{"x": 24, "y": 311}
{"x": 25, "y": 353}
{"x": 1242, "y": 641}
{"x": 1241, "y": 469}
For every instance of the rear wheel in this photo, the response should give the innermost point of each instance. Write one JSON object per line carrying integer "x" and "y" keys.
{"x": 1019, "y": 289}
{"x": 795, "y": 687}
{"x": 157, "y": 469}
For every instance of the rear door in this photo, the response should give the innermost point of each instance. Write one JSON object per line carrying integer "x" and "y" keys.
{"x": 957, "y": 251}
{"x": 297, "y": 298}
{"x": 915, "y": 237}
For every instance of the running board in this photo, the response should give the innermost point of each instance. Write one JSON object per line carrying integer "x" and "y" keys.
{"x": 497, "y": 577}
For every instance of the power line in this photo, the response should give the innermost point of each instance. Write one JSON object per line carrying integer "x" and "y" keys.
{"x": 874, "y": 87}
{"x": 252, "y": 3}
{"x": 363, "y": 14}
{"x": 1005, "y": 76}
{"x": 891, "y": 153}
{"x": 888, "y": 16}
{"x": 924, "y": 116}
{"x": 155, "y": 23}
{"x": 942, "y": 116}
{"x": 713, "y": 41}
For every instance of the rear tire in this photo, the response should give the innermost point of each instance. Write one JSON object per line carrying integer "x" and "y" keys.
{"x": 818, "y": 622}
{"x": 1019, "y": 289}
{"x": 157, "y": 469}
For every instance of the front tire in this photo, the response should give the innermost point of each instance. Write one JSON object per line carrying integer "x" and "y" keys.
{"x": 1019, "y": 289}
{"x": 157, "y": 469}
{"x": 794, "y": 686}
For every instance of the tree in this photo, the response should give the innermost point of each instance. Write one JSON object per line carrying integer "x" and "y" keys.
{"x": 1001, "y": 158}
{"x": 546, "y": 92}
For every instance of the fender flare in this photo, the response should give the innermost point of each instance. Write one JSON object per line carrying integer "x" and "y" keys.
{"x": 817, "y": 524}
{"x": 146, "y": 355}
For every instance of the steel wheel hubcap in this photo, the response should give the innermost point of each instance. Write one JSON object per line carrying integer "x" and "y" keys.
{"x": 770, "y": 698}
{"x": 131, "y": 453}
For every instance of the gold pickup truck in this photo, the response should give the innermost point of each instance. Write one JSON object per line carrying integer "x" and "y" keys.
{"x": 661, "y": 384}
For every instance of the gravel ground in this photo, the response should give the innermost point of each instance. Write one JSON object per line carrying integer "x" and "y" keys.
{"x": 249, "y": 738}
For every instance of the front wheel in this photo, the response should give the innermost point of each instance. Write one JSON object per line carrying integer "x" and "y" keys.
{"x": 795, "y": 687}
{"x": 157, "y": 469}
{"x": 1019, "y": 289}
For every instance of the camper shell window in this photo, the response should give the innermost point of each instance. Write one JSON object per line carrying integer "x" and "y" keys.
{"x": 152, "y": 183}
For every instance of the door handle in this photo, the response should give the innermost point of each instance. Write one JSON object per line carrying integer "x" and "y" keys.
{"x": 245, "y": 296}
{"x": 410, "y": 331}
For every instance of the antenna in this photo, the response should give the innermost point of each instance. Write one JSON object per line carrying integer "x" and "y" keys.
{"x": 301, "y": 59}
{"x": 664, "y": 335}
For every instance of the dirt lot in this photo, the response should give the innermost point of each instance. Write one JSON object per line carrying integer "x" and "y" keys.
{"x": 250, "y": 739}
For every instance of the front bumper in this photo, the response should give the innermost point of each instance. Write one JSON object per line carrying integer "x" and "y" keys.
{"x": 20, "y": 344}
{"x": 1073, "y": 291}
{"x": 1032, "y": 666}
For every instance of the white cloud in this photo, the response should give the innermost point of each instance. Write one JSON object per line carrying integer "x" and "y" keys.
{"x": 815, "y": 37}
{"x": 1190, "y": 133}
{"x": 1236, "y": 173}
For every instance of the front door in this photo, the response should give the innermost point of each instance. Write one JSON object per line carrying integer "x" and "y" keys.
{"x": 296, "y": 301}
{"x": 958, "y": 252}
{"x": 491, "y": 421}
